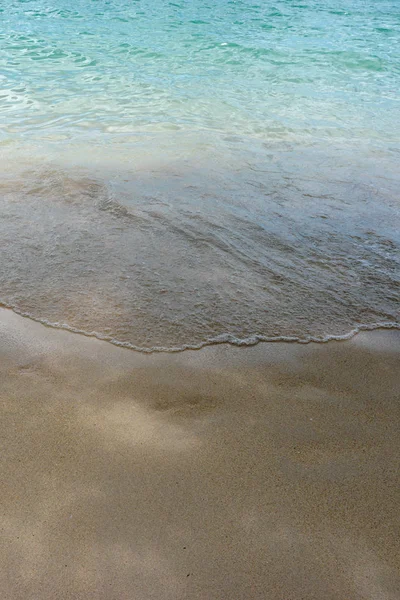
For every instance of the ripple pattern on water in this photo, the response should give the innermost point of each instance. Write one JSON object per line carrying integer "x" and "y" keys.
{"x": 321, "y": 68}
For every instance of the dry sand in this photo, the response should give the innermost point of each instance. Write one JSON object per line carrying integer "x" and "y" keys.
{"x": 269, "y": 472}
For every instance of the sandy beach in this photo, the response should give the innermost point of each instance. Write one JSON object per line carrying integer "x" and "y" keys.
{"x": 267, "y": 472}
{"x": 199, "y": 300}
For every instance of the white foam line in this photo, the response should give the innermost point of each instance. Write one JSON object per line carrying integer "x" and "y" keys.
{"x": 225, "y": 338}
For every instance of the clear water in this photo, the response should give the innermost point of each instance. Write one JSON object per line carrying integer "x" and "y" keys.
{"x": 175, "y": 173}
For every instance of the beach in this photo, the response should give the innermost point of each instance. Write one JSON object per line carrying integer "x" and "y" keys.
{"x": 199, "y": 300}
{"x": 229, "y": 473}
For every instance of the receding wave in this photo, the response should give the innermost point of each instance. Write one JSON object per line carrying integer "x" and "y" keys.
{"x": 184, "y": 256}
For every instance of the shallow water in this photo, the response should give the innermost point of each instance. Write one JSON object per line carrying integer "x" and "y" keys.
{"x": 183, "y": 172}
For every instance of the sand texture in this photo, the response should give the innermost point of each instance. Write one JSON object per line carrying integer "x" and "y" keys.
{"x": 269, "y": 472}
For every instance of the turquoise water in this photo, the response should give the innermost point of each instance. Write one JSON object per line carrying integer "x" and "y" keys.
{"x": 317, "y": 69}
{"x": 180, "y": 172}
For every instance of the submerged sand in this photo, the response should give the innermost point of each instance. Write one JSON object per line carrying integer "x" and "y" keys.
{"x": 268, "y": 472}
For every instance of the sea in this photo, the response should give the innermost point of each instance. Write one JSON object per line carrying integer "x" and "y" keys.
{"x": 181, "y": 173}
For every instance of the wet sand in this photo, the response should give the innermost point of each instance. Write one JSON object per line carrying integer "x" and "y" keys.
{"x": 268, "y": 472}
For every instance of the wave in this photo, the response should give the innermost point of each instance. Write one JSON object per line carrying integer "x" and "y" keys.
{"x": 225, "y": 338}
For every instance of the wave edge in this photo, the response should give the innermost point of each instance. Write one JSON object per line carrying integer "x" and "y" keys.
{"x": 225, "y": 338}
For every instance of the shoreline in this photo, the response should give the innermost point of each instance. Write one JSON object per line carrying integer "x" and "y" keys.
{"x": 260, "y": 472}
{"x": 225, "y": 338}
